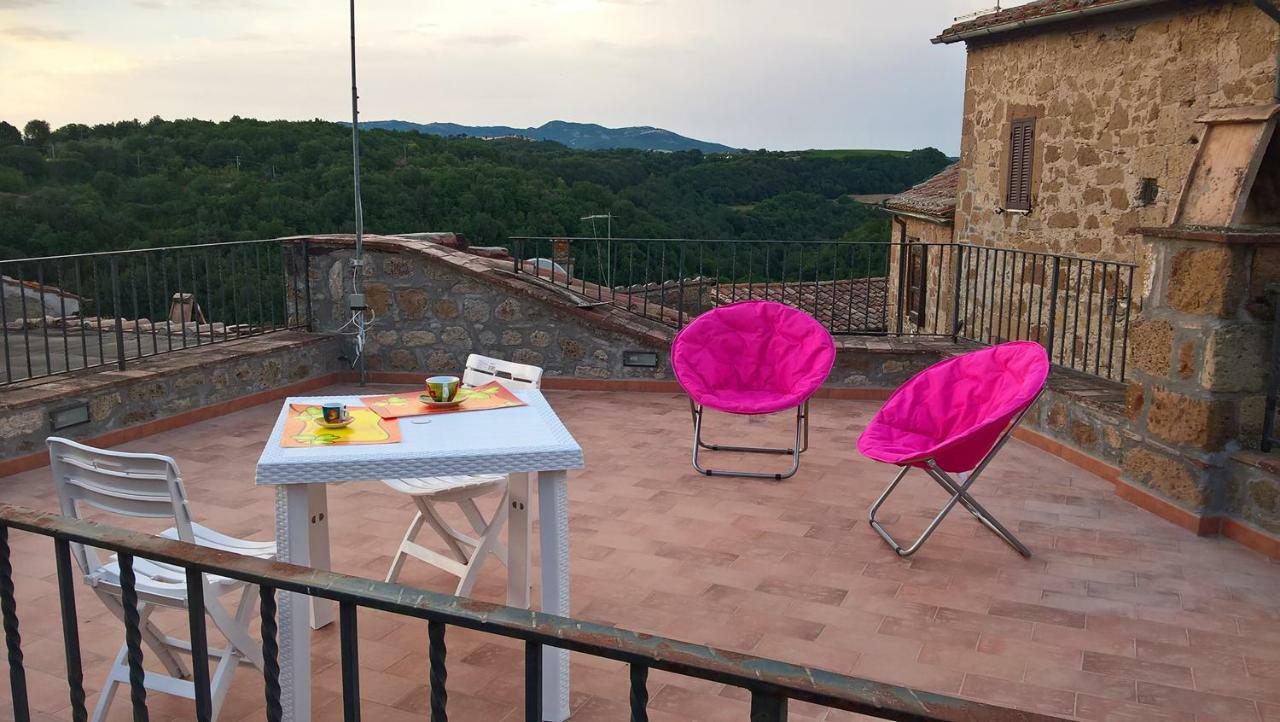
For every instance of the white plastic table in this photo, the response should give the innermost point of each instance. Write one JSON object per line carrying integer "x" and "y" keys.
{"x": 515, "y": 441}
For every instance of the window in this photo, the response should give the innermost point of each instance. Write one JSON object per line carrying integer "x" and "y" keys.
{"x": 1022, "y": 133}
{"x": 1149, "y": 191}
{"x": 916, "y": 265}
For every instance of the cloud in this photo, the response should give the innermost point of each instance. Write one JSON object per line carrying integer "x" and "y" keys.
{"x": 30, "y": 32}
{"x": 493, "y": 39}
{"x": 13, "y": 4}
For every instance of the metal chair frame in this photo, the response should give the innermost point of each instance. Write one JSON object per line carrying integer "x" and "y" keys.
{"x": 801, "y": 446}
{"x": 959, "y": 490}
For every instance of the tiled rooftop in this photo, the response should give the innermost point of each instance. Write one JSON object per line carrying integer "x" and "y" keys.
{"x": 1118, "y": 615}
{"x": 935, "y": 196}
{"x": 1037, "y": 10}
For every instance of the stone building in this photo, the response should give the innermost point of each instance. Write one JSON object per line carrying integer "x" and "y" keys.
{"x": 1137, "y": 136}
{"x": 922, "y": 231}
{"x": 1104, "y": 95}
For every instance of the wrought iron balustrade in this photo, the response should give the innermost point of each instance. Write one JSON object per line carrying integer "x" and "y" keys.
{"x": 1078, "y": 308}
{"x": 90, "y": 310}
{"x": 770, "y": 683}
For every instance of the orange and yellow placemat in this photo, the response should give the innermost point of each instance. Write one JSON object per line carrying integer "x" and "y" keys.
{"x": 302, "y": 428}
{"x": 492, "y": 395}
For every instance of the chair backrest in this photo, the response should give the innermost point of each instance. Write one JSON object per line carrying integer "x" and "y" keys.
{"x": 129, "y": 484}
{"x": 483, "y": 369}
{"x": 753, "y": 345}
{"x": 955, "y": 411}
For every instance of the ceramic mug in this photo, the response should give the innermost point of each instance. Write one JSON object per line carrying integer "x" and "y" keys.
{"x": 335, "y": 412}
{"x": 443, "y": 388}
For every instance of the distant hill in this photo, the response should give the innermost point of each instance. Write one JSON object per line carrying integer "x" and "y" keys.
{"x": 582, "y": 136}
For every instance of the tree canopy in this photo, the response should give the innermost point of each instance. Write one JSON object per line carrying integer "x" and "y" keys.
{"x": 133, "y": 184}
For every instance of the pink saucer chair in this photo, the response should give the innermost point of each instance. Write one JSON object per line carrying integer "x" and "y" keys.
{"x": 952, "y": 418}
{"x": 753, "y": 357}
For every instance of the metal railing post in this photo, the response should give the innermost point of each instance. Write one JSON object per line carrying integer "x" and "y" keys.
{"x": 957, "y": 260}
{"x": 70, "y": 629}
{"x": 438, "y": 673}
{"x": 12, "y": 638}
{"x": 767, "y": 707}
{"x": 270, "y": 652}
{"x": 680, "y": 293}
{"x": 348, "y": 643}
{"x": 115, "y": 312}
{"x": 532, "y": 682}
{"x": 199, "y": 645}
{"x": 900, "y": 294}
{"x": 639, "y": 696}
{"x": 1053, "y": 304}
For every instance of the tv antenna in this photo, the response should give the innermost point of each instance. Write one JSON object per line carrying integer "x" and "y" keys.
{"x": 978, "y": 14}
{"x": 606, "y": 272}
{"x": 596, "y": 216}
{"x": 356, "y": 301}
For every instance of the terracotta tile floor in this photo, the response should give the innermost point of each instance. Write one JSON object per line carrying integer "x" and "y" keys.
{"x": 1119, "y": 615}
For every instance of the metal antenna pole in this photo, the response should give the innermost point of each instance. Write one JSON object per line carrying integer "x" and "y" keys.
{"x": 357, "y": 266}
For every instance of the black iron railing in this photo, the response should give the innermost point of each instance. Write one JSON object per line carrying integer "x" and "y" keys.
{"x": 1078, "y": 308}
{"x": 842, "y": 284}
{"x": 770, "y": 683}
{"x": 81, "y": 311}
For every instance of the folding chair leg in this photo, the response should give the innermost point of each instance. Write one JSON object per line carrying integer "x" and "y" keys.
{"x": 489, "y": 540}
{"x": 482, "y": 527}
{"x": 108, "y": 689}
{"x": 959, "y": 495}
{"x": 397, "y": 562}
{"x": 235, "y": 629}
{"x": 978, "y": 511}
{"x": 220, "y": 680}
{"x": 442, "y": 528}
{"x": 801, "y": 445}
{"x": 151, "y": 636}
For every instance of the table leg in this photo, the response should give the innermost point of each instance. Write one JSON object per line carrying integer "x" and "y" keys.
{"x": 553, "y": 520}
{"x": 323, "y": 611}
{"x": 519, "y": 583}
{"x": 293, "y": 543}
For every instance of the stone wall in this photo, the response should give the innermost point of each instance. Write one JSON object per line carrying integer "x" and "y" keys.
{"x": 1252, "y": 489}
{"x": 1199, "y": 359}
{"x": 432, "y": 310}
{"x": 1123, "y": 113}
{"x": 939, "y": 277}
{"x": 162, "y": 386}
{"x": 1085, "y": 414}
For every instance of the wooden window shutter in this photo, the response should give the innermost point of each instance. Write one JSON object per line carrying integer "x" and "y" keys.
{"x": 1022, "y": 132}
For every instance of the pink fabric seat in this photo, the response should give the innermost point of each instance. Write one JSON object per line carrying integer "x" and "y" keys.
{"x": 753, "y": 357}
{"x": 955, "y": 411}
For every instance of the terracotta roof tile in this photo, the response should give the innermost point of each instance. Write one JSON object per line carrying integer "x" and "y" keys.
{"x": 935, "y": 196}
{"x": 1036, "y": 10}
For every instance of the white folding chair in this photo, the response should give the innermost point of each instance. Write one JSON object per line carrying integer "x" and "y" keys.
{"x": 149, "y": 486}
{"x": 466, "y": 553}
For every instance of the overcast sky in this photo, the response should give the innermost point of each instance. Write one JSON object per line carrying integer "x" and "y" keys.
{"x": 779, "y": 74}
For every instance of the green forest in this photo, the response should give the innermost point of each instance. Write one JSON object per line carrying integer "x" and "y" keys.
{"x": 135, "y": 184}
